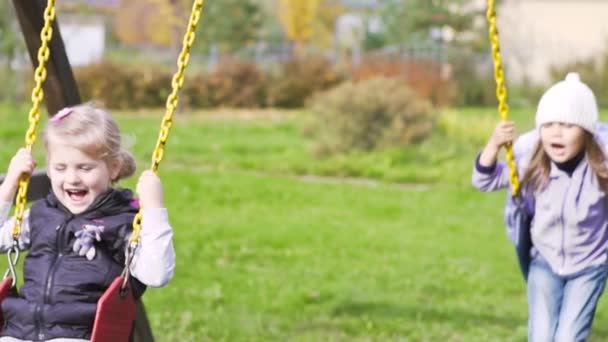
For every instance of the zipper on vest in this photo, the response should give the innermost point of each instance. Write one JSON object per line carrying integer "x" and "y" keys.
{"x": 39, "y": 325}
{"x": 50, "y": 278}
{"x": 49, "y": 283}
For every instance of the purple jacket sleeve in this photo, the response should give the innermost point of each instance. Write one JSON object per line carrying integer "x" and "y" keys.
{"x": 497, "y": 177}
{"x": 490, "y": 178}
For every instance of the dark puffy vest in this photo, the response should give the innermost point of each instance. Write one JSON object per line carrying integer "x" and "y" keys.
{"x": 61, "y": 289}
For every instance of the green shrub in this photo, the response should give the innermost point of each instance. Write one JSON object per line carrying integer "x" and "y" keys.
{"x": 196, "y": 92}
{"x": 470, "y": 84}
{"x": 236, "y": 83}
{"x": 232, "y": 83}
{"x": 524, "y": 94}
{"x": 299, "y": 79}
{"x": 150, "y": 87}
{"x": 120, "y": 86}
{"x": 375, "y": 113}
{"x": 594, "y": 72}
{"x": 421, "y": 75}
{"x": 474, "y": 85}
{"x": 17, "y": 84}
{"x": 109, "y": 83}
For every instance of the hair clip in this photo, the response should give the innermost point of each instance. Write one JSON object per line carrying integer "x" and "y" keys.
{"x": 61, "y": 114}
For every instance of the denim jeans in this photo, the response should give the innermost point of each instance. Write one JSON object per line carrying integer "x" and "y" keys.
{"x": 562, "y": 308}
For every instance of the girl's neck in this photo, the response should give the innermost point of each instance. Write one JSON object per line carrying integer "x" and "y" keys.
{"x": 569, "y": 165}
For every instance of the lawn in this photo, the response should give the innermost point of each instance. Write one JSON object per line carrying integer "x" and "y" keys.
{"x": 275, "y": 244}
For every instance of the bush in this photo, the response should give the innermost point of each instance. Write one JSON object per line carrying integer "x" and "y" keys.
{"x": 524, "y": 94}
{"x": 150, "y": 87}
{"x": 17, "y": 84}
{"x": 365, "y": 115}
{"x": 236, "y": 83}
{"x": 118, "y": 86}
{"x": 106, "y": 82}
{"x": 299, "y": 79}
{"x": 472, "y": 80}
{"x": 592, "y": 71}
{"x": 422, "y": 76}
{"x": 196, "y": 92}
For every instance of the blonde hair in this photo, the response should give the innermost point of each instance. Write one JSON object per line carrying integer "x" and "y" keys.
{"x": 92, "y": 130}
{"x": 538, "y": 171}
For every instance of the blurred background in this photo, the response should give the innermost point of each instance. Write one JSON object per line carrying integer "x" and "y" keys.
{"x": 318, "y": 172}
{"x": 439, "y": 48}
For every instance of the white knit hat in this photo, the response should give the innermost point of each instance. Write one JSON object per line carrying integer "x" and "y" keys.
{"x": 568, "y": 101}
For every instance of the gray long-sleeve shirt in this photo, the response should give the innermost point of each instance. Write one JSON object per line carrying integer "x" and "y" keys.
{"x": 570, "y": 225}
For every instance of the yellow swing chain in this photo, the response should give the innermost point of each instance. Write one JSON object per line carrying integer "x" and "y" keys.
{"x": 171, "y": 105}
{"x": 501, "y": 90}
{"x": 30, "y": 136}
{"x": 34, "y": 115}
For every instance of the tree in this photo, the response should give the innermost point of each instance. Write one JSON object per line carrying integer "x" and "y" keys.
{"x": 149, "y": 21}
{"x": 298, "y": 17}
{"x": 11, "y": 45}
{"x": 325, "y": 22}
{"x": 409, "y": 20}
{"x": 322, "y": 26}
{"x": 9, "y": 35}
{"x": 230, "y": 24}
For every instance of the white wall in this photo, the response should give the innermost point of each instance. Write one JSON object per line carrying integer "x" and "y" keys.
{"x": 536, "y": 34}
{"x": 84, "y": 41}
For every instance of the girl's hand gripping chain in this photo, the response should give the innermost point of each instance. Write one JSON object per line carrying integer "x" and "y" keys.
{"x": 150, "y": 190}
{"x": 503, "y": 134}
{"x": 22, "y": 163}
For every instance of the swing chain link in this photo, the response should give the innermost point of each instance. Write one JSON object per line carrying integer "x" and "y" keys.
{"x": 171, "y": 104}
{"x": 34, "y": 115}
{"x": 13, "y": 259}
{"x": 501, "y": 91}
{"x": 126, "y": 273}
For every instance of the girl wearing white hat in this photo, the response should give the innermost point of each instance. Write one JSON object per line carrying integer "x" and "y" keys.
{"x": 566, "y": 173}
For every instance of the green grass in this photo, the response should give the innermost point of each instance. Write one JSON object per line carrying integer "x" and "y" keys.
{"x": 277, "y": 146}
{"x": 404, "y": 249}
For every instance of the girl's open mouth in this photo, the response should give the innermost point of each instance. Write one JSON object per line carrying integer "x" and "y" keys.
{"x": 76, "y": 195}
{"x": 558, "y": 149}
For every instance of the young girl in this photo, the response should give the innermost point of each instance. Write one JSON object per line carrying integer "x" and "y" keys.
{"x": 567, "y": 176}
{"x": 76, "y": 237}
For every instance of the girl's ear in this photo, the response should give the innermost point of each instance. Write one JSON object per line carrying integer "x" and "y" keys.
{"x": 115, "y": 169}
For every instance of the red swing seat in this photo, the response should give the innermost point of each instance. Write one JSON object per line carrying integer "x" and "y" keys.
{"x": 115, "y": 314}
{"x": 6, "y": 289}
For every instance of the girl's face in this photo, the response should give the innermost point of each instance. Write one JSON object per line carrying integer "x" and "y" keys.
{"x": 77, "y": 178}
{"x": 562, "y": 141}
